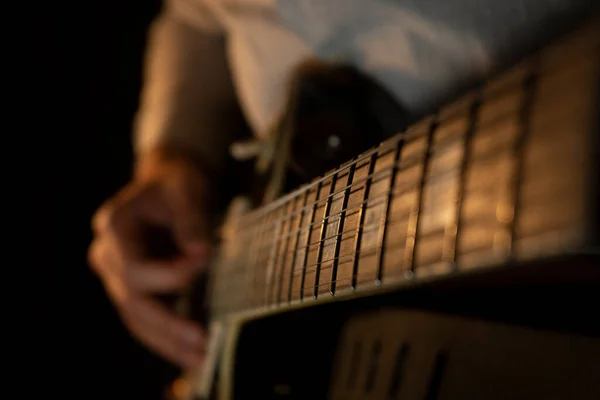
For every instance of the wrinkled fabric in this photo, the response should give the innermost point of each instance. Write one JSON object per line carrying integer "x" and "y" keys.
{"x": 418, "y": 49}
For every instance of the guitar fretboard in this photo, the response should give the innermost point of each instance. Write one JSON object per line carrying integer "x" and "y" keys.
{"x": 498, "y": 175}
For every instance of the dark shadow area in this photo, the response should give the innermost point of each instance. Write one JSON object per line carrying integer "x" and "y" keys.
{"x": 82, "y": 88}
{"x": 511, "y": 296}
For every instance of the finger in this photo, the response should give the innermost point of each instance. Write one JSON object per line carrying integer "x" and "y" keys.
{"x": 144, "y": 277}
{"x": 95, "y": 256}
{"x": 161, "y": 277}
{"x": 103, "y": 257}
{"x": 190, "y": 232}
{"x": 109, "y": 215}
{"x": 182, "y": 331}
{"x": 150, "y": 277}
{"x": 187, "y": 196}
{"x": 178, "y": 340}
{"x": 153, "y": 341}
{"x": 175, "y": 338}
{"x": 125, "y": 215}
{"x": 100, "y": 219}
{"x": 107, "y": 262}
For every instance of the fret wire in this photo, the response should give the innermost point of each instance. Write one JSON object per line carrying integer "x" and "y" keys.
{"x": 322, "y": 285}
{"x": 403, "y": 164}
{"x": 348, "y": 211}
{"x": 367, "y": 251}
{"x": 295, "y": 251}
{"x": 350, "y": 257}
{"x": 255, "y": 270}
{"x": 247, "y": 276}
{"x": 407, "y": 163}
{"x": 365, "y": 228}
{"x": 413, "y": 229}
{"x": 373, "y": 202}
{"x": 322, "y": 235}
{"x": 237, "y": 266}
{"x": 310, "y": 225}
{"x": 490, "y": 153}
{"x": 250, "y": 270}
{"x": 529, "y": 85}
{"x": 346, "y": 258}
{"x": 462, "y": 181}
{"x": 340, "y": 230}
{"x": 272, "y": 264}
{"x": 312, "y": 219}
{"x": 261, "y": 265}
{"x": 361, "y": 219}
{"x": 518, "y": 149}
{"x": 410, "y": 133}
{"x": 284, "y": 258}
{"x": 384, "y": 225}
{"x": 372, "y": 250}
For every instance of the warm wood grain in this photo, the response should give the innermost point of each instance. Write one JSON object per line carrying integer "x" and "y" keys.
{"x": 501, "y": 174}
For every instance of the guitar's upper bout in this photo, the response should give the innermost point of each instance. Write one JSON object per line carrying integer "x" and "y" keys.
{"x": 335, "y": 112}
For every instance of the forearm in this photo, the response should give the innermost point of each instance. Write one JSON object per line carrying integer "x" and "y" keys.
{"x": 188, "y": 103}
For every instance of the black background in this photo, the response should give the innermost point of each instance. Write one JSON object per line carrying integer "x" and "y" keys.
{"x": 81, "y": 76}
{"x": 82, "y": 87}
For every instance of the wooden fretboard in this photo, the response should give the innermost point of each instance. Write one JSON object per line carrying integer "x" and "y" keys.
{"x": 499, "y": 175}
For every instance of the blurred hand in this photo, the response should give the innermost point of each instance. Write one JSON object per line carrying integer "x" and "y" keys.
{"x": 168, "y": 195}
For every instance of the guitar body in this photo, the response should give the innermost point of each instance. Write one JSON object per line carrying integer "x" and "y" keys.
{"x": 448, "y": 262}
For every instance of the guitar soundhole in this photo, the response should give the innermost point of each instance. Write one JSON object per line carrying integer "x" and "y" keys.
{"x": 373, "y": 366}
{"x": 401, "y": 357}
{"x": 354, "y": 364}
{"x": 441, "y": 361}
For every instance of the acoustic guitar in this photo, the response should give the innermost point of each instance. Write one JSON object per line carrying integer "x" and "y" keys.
{"x": 449, "y": 261}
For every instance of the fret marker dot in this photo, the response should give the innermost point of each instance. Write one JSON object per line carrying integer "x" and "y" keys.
{"x": 334, "y": 141}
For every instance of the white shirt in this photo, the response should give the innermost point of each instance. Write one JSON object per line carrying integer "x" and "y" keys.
{"x": 412, "y": 56}
{"x": 417, "y": 49}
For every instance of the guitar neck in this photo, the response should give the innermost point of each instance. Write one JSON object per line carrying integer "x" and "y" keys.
{"x": 499, "y": 175}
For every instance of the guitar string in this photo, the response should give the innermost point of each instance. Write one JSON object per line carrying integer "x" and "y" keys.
{"x": 362, "y": 228}
{"x": 411, "y": 133}
{"x": 380, "y": 200}
{"x": 384, "y": 222}
{"x": 359, "y": 276}
{"x": 346, "y": 257}
{"x": 417, "y": 130}
{"x": 377, "y": 224}
{"x": 349, "y": 257}
{"x": 233, "y": 280}
{"x": 394, "y": 270}
{"x": 441, "y": 148}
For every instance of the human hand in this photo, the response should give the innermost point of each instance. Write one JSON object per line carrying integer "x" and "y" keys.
{"x": 169, "y": 198}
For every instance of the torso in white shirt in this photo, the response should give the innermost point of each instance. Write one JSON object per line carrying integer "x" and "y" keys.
{"x": 417, "y": 49}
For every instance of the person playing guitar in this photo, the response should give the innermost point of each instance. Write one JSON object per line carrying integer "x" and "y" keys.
{"x": 219, "y": 70}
